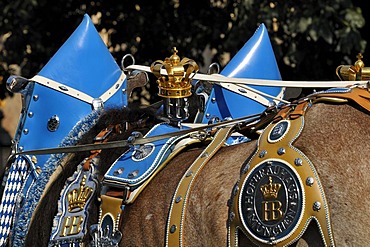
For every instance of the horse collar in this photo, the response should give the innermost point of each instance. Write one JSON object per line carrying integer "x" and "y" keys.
{"x": 279, "y": 192}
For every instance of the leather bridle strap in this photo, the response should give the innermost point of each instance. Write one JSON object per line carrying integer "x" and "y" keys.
{"x": 175, "y": 223}
{"x": 60, "y": 87}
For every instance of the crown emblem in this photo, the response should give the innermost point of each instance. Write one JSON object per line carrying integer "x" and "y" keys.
{"x": 356, "y": 72}
{"x": 177, "y": 82}
{"x": 77, "y": 198}
{"x": 270, "y": 190}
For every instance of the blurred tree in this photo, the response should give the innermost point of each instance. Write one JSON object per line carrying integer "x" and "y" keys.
{"x": 310, "y": 38}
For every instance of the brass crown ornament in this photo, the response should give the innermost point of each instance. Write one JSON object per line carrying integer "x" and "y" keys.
{"x": 177, "y": 83}
{"x": 77, "y": 198}
{"x": 356, "y": 72}
{"x": 270, "y": 190}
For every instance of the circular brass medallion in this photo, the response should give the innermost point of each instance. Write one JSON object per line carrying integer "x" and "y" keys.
{"x": 271, "y": 202}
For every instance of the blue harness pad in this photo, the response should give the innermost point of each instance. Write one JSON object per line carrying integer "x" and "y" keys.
{"x": 137, "y": 164}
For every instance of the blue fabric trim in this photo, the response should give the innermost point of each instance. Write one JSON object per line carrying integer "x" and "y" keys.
{"x": 20, "y": 229}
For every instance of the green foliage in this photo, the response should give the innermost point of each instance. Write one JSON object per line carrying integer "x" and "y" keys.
{"x": 310, "y": 38}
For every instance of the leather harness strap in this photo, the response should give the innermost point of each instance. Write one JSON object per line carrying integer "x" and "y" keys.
{"x": 174, "y": 231}
{"x": 279, "y": 192}
{"x": 359, "y": 95}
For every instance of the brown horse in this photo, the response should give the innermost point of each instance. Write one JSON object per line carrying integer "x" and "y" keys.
{"x": 335, "y": 138}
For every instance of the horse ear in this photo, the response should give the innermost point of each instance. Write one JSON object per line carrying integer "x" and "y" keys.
{"x": 256, "y": 59}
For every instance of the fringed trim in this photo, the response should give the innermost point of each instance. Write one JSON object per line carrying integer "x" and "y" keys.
{"x": 20, "y": 229}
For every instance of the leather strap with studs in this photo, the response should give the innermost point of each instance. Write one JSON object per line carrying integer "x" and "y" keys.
{"x": 176, "y": 218}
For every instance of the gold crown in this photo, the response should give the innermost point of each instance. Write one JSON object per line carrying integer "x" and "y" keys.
{"x": 270, "y": 190}
{"x": 356, "y": 72}
{"x": 77, "y": 198}
{"x": 177, "y": 82}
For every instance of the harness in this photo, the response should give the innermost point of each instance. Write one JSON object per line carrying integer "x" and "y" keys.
{"x": 70, "y": 223}
{"x": 279, "y": 191}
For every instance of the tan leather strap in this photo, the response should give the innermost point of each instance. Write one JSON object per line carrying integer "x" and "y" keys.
{"x": 175, "y": 222}
{"x": 279, "y": 192}
{"x": 110, "y": 207}
{"x": 359, "y": 95}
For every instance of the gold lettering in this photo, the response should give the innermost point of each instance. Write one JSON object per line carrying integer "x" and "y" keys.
{"x": 271, "y": 210}
{"x": 71, "y": 225}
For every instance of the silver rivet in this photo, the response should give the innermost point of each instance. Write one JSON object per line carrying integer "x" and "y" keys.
{"x": 189, "y": 173}
{"x": 213, "y": 100}
{"x": 281, "y": 151}
{"x": 208, "y": 115}
{"x": 30, "y": 114}
{"x": 35, "y": 97}
{"x": 310, "y": 181}
{"x": 316, "y": 206}
{"x": 235, "y": 190}
{"x": 123, "y": 90}
{"x": 118, "y": 171}
{"x": 53, "y": 123}
{"x": 25, "y": 131}
{"x": 97, "y": 104}
{"x": 204, "y": 155}
{"x": 178, "y": 199}
{"x": 232, "y": 216}
{"x": 298, "y": 162}
{"x": 173, "y": 229}
{"x": 21, "y": 148}
{"x": 63, "y": 88}
{"x": 133, "y": 174}
{"x": 263, "y": 153}
{"x": 271, "y": 104}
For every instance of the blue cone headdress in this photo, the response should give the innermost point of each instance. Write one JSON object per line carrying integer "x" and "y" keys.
{"x": 60, "y": 104}
{"x": 255, "y": 60}
{"x": 81, "y": 77}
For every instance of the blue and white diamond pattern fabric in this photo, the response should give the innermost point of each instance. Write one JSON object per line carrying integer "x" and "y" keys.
{"x": 16, "y": 176}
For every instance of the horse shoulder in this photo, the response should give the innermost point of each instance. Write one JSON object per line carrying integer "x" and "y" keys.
{"x": 336, "y": 138}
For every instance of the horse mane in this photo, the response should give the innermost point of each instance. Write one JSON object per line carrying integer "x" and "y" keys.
{"x": 40, "y": 229}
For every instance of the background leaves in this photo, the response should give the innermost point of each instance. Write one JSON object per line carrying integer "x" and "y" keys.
{"x": 310, "y": 38}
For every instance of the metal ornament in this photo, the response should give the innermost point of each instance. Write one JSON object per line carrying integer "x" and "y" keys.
{"x": 143, "y": 151}
{"x": 271, "y": 202}
{"x": 69, "y": 225}
{"x": 53, "y": 123}
{"x": 278, "y": 131}
{"x": 280, "y": 192}
{"x": 175, "y": 87}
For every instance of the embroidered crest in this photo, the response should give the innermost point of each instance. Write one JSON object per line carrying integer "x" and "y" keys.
{"x": 143, "y": 151}
{"x": 70, "y": 222}
{"x": 271, "y": 203}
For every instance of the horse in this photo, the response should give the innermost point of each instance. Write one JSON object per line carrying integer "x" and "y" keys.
{"x": 86, "y": 103}
{"x": 335, "y": 138}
